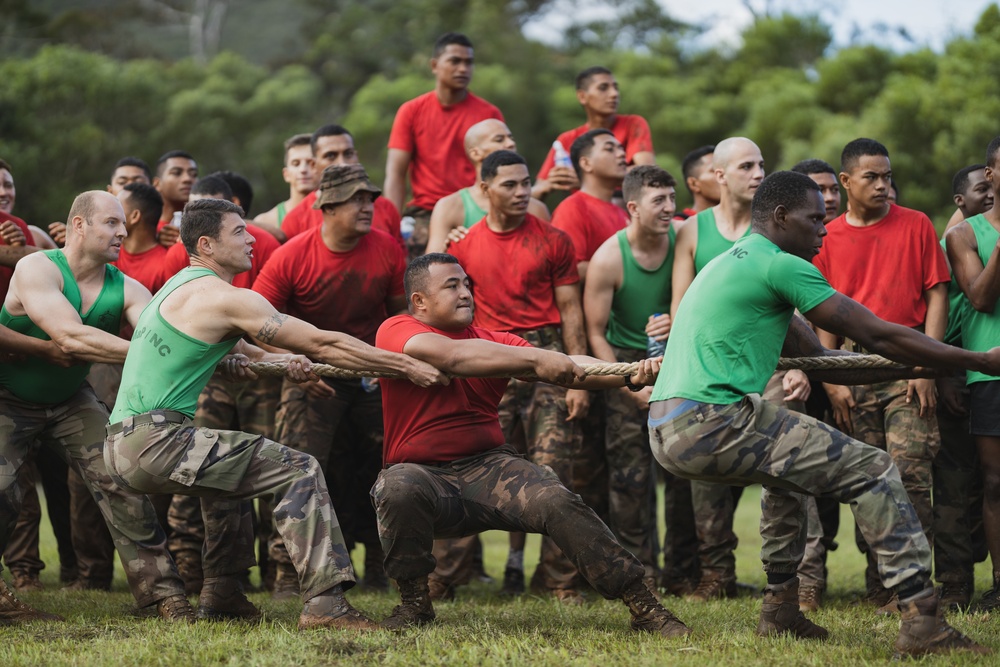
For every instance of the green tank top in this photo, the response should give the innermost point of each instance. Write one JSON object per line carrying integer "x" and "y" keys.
{"x": 711, "y": 243}
{"x": 642, "y": 293}
{"x": 957, "y": 306}
{"x": 282, "y": 212}
{"x": 166, "y": 369}
{"x": 473, "y": 213}
{"x": 38, "y": 381}
{"x": 981, "y": 331}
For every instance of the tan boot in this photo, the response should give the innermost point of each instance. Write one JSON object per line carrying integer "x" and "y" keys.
{"x": 712, "y": 587}
{"x": 923, "y": 629}
{"x": 415, "y": 608}
{"x": 286, "y": 582}
{"x": 222, "y": 598}
{"x": 14, "y": 611}
{"x": 648, "y": 615}
{"x": 332, "y": 610}
{"x": 175, "y": 609}
{"x": 810, "y": 598}
{"x": 780, "y": 613}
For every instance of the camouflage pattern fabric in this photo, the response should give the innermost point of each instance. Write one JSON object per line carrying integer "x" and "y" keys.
{"x": 791, "y": 454}
{"x": 495, "y": 490}
{"x": 74, "y": 430}
{"x": 163, "y": 452}
{"x": 680, "y": 544}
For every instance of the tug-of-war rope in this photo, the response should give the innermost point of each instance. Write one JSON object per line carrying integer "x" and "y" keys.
{"x": 846, "y": 362}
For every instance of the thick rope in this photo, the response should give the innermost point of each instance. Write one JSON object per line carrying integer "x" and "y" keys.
{"x": 854, "y": 361}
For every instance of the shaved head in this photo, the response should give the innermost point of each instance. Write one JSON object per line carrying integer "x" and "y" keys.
{"x": 485, "y": 131}
{"x": 87, "y": 203}
{"x": 729, "y": 148}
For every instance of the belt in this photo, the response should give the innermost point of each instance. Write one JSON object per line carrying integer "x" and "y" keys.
{"x": 542, "y": 336}
{"x": 128, "y": 424}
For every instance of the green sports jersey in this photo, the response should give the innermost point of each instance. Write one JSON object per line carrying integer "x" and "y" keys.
{"x": 981, "y": 331}
{"x": 166, "y": 369}
{"x": 711, "y": 243}
{"x": 732, "y": 322}
{"x": 957, "y": 306}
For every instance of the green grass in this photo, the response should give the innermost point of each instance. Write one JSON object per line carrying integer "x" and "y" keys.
{"x": 479, "y": 628}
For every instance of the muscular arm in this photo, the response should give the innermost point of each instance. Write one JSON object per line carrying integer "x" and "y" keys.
{"x": 598, "y": 295}
{"x": 981, "y": 284}
{"x": 137, "y": 297}
{"x": 446, "y": 216}
{"x": 683, "y": 271}
{"x": 571, "y": 316}
{"x": 395, "y": 177}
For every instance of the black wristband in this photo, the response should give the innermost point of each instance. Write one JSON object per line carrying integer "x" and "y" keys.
{"x": 632, "y": 387}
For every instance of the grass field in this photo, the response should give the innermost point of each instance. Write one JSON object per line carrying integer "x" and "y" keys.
{"x": 480, "y": 628}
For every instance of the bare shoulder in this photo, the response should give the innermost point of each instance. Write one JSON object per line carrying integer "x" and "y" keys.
{"x": 961, "y": 234}
{"x": 537, "y": 208}
{"x": 449, "y": 209}
{"x": 268, "y": 217}
{"x": 608, "y": 257}
{"x": 135, "y": 292}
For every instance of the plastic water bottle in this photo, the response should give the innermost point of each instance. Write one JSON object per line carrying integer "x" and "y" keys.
{"x": 369, "y": 384}
{"x": 655, "y": 348}
{"x": 176, "y": 220}
{"x": 406, "y": 227}
{"x": 562, "y": 158}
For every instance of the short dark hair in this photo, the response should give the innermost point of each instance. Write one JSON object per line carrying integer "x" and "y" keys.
{"x": 415, "y": 278}
{"x": 960, "y": 182}
{"x": 782, "y": 188}
{"x": 582, "y": 145}
{"x": 203, "y": 217}
{"x": 991, "y": 152}
{"x": 858, "y": 149}
{"x": 132, "y": 162}
{"x": 893, "y": 186}
{"x": 162, "y": 161}
{"x": 693, "y": 158}
{"x": 645, "y": 176}
{"x": 497, "y": 159}
{"x": 814, "y": 166}
{"x": 297, "y": 140}
{"x": 240, "y": 187}
{"x": 583, "y": 78}
{"x": 212, "y": 184}
{"x": 5, "y": 165}
{"x": 327, "y": 131}
{"x": 147, "y": 201}
{"x": 449, "y": 38}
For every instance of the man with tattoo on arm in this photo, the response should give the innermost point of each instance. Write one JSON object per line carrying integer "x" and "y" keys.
{"x": 195, "y": 321}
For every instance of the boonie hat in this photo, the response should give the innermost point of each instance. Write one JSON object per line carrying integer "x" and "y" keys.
{"x": 341, "y": 182}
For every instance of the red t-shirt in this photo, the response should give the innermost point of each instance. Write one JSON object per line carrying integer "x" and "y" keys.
{"x": 631, "y": 131}
{"x": 441, "y": 423}
{"x": 177, "y": 257}
{"x": 514, "y": 274}
{"x": 146, "y": 267}
{"x": 304, "y": 217}
{"x": 887, "y": 266}
{"x": 434, "y": 136}
{"x": 336, "y": 291}
{"x": 589, "y": 222}
{"x": 5, "y": 271}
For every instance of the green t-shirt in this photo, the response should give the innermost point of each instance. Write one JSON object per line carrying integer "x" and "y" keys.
{"x": 732, "y": 322}
{"x": 166, "y": 369}
{"x": 981, "y": 331}
{"x": 37, "y": 381}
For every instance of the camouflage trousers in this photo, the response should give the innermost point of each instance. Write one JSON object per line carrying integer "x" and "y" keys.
{"x": 680, "y": 543}
{"x": 882, "y": 418}
{"x": 22, "y": 554}
{"x": 495, "y": 490}
{"x": 74, "y": 430}
{"x": 163, "y": 452}
{"x": 958, "y": 494}
{"x": 238, "y": 406}
{"x": 790, "y": 454}
{"x": 344, "y": 432}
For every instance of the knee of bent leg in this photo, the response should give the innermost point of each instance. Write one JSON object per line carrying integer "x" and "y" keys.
{"x": 401, "y": 488}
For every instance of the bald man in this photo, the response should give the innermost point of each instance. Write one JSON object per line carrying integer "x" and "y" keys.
{"x": 468, "y": 206}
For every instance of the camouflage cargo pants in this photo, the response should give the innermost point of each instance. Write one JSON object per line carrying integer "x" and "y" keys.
{"x": 791, "y": 454}
{"x": 163, "y": 452}
{"x": 74, "y": 430}
{"x": 495, "y": 490}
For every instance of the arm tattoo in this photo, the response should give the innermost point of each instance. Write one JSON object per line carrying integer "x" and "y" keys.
{"x": 270, "y": 328}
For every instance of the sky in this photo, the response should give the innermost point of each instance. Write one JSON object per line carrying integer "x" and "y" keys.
{"x": 928, "y": 22}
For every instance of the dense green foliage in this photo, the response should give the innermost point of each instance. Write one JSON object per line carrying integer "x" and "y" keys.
{"x": 68, "y": 109}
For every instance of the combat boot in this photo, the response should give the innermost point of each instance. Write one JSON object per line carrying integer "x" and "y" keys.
{"x": 332, "y": 610}
{"x": 810, "y": 598}
{"x": 222, "y": 598}
{"x": 713, "y": 587}
{"x": 648, "y": 615}
{"x": 26, "y": 581}
{"x": 956, "y": 595}
{"x": 780, "y": 613}
{"x": 286, "y": 582}
{"x": 415, "y": 608}
{"x": 513, "y": 582}
{"x": 175, "y": 609}
{"x": 440, "y": 590}
{"x": 14, "y": 611}
{"x": 923, "y": 629}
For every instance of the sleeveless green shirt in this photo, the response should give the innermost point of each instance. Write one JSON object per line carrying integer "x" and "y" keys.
{"x": 711, "y": 243}
{"x": 641, "y": 294}
{"x": 282, "y": 211}
{"x": 957, "y": 305}
{"x": 981, "y": 331}
{"x": 38, "y": 381}
{"x": 165, "y": 368}
{"x": 473, "y": 213}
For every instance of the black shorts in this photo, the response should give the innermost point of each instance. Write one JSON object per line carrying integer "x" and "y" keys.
{"x": 984, "y": 417}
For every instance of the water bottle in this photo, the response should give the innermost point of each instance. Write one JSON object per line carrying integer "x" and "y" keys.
{"x": 562, "y": 158}
{"x": 369, "y": 384}
{"x": 176, "y": 220}
{"x": 655, "y": 348}
{"x": 406, "y": 227}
